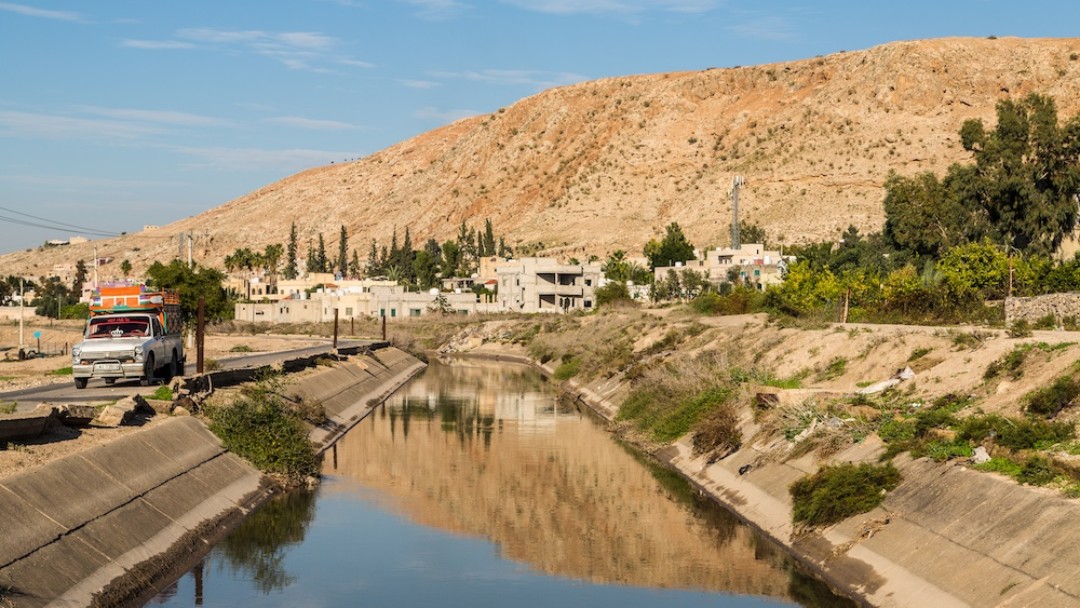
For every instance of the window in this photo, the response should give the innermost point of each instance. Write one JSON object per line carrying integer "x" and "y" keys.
{"x": 348, "y": 311}
{"x": 382, "y": 312}
{"x": 393, "y": 312}
{"x": 414, "y": 312}
{"x": 588, "y": 282}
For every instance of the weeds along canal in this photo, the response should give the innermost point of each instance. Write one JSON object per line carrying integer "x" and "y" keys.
{"x": 471, "y": 486}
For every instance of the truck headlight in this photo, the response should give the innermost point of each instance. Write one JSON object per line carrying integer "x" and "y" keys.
{"x": 138, "y": 353}
{"x": 75, "y": 352}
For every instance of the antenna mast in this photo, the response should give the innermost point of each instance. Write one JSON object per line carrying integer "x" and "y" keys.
{"x": 735, "y": 185}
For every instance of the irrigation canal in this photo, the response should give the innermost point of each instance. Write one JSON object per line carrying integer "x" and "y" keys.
{"x": 472, "y": 486}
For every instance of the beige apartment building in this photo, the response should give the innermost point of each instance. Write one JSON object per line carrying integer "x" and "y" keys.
{"x": 391, "y": 301}
{"x": 750, "y": 264}
{"x": 545, "y": 285}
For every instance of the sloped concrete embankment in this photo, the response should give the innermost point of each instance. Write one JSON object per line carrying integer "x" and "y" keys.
{"x": 349, "y": 391}
{"x": 102, "y": 525}
{"x": 947, "y": 537}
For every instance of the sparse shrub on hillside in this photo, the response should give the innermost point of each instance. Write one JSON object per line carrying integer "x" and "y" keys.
{"x": 837, "y": 492}
{"x": 1050, "y": 400}
{"x": 1019, "y": 328}
{"x": 1045, "y": 322}
{"x": 1016, "y": 433}
{"x": 719, "y": 432}
{"x": 568, "y": 368}
{"x": 833, "y": 369}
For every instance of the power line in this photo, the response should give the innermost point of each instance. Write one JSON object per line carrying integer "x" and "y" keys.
{"x": 54, "y": 225}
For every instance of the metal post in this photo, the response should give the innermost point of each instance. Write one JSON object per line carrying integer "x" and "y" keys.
{"x": 200, "y": 328}
{"x": 384, "y": 328}
{"x": 735, "y": 184}
{"x": 335, "y": 328}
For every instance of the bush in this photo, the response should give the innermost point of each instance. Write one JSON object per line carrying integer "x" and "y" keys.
{"x": 1019, "y": 328}
{"x": 260, "y": 427}
{"x": 687, "y": 412}
{"x": 1050, "y": 400}
{"x": 1045, "y": 322}
{"x": 837, "y": 492}
{"x": 569, "y": 368}
{"x": 612, "y": 293}
{"x": 718, "y": 432}
{"x": 1016, "y": 433}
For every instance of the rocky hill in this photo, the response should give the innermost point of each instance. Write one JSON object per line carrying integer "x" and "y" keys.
{"x": 607, "y": 164}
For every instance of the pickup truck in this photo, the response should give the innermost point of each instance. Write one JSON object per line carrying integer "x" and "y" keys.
{"x": 126, "y": 346}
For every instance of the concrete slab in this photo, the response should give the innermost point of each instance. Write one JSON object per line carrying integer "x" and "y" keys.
{"x": 187, "y": 442}
{"x": 25, "y": 528}
{"x": 123, "y": 529}
{"x": 26, "y": 425}
{"x": 54, "y": 487}
{"x": 53, "y": 569}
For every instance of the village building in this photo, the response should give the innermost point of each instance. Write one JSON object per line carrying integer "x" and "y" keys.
{"x": 751, "y": 264}
{"x": 545, "y": 285}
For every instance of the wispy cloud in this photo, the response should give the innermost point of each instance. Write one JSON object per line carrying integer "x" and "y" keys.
{"x": 535, "y": 79}
{"x": 615, "y": 7}
{"x": 773, "y": 29}
{"x": 438, "y": 9}
{"x": 99, "y": 123}
{"x": 54, "y": 126}
{"x": 311, "y": 123}
{"x": 156, "y": 44}
{"x": 252, "y": 159}
{"x": 431, "y": 113}
{"x": 155, "y": 116}
{"x": 419, "y": 84}
{"x": 30, "y": 11}
{"x": 309, "y": 51}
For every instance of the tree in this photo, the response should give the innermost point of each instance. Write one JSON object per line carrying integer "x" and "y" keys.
{"x": 373, "y": 267}
{"x": 291, "y": 271}
{"x": 52, "y": 296}
{"x": 673, "y": 248}
{"x": 271, "y": 258}
{"x": 751, "y": 233}
{"x": 190, "y": 283}
{"x": 343, "y": 252}
{"x": 125, "y": 267}
{"x": 354, "y": 265}
{"x": 322, "y": 263}
{"x": 616, "y": 267}
{"x": 925, "y": 216}
{"x": 451, "y": 259}
{"x": 80, "y": 278}
{"x": 1027, "y": 173}
{"x": 488, "y": 240}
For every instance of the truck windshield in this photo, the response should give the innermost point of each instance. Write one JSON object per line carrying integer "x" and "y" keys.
{"x": 124, "y": 327}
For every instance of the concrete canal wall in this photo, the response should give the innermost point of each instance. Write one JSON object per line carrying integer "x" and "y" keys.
{"x": 947, "y": 537}
{"x": 105, "y": 526}
{"x": 104, "y": 521}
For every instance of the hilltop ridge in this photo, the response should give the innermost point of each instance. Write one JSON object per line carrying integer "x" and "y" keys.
{"x": 588, "y": 168}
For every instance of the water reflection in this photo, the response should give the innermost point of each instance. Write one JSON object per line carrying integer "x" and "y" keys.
{"x": 483, "y": 450}
{"x": 482, "y": 457}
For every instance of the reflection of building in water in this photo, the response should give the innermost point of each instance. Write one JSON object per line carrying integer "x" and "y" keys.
{"x": 569, "y": 502}
{"x": 484, "y": 391}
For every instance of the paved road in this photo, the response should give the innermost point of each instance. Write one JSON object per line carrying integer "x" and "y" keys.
{"x": 97, "y": 390}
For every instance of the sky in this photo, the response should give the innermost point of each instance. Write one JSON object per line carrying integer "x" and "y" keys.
{"x": 117, "y": 114}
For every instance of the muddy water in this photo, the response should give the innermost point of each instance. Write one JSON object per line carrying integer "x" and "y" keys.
{"x": 472, "y": 487}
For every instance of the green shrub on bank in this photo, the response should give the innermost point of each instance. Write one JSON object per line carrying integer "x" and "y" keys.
{"x": 261, "y": 427}
{"x": 1049, "y": 401}
{"x": 569, "y": 368}
{"x": 1016, "y": 433}
{"x": 837, "y": 492}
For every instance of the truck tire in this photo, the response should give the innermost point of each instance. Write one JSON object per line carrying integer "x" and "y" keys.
{"x": 148, "y": 371}
{"x": 172, "y": 370}
{"x": 80, "y": 382}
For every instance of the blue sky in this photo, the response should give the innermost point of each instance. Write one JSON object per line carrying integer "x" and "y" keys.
{"x": 121, "y": 113}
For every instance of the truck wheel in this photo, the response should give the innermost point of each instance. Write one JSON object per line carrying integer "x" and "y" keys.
{"x": 148, "y": 371}
{"x": 172, "y": 370}
{"x": 81, "y": 382}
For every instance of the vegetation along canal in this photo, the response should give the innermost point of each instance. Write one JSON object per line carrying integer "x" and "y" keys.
{"x": 471, "y": 486}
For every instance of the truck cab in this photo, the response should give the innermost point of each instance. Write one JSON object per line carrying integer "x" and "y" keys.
{"x": 128, "y": 339}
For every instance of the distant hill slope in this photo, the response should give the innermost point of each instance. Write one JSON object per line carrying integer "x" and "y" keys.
{"x": 607, "y": 164}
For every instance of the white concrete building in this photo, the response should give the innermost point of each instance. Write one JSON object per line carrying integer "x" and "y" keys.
{"x": 545, "y": 285}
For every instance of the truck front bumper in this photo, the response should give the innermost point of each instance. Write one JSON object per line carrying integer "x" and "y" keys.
{"x": 107, "y": 368}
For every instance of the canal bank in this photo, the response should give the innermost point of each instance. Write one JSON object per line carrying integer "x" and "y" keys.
{"x": 108, "y": 525}
{"x": 946, "y": 537}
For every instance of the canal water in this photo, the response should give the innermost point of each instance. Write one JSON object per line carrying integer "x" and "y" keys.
{"x": 473, "y": 486}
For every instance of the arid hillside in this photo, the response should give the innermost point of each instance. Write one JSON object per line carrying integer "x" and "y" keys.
{"x": 607, "y": 164}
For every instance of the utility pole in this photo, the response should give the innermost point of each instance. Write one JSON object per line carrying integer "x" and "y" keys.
{"x": 735, "y": 185}
{"x": 95, "y": 269}
{"x": 189, "y": 239}
{"x": 22, "y": 305}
